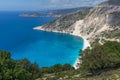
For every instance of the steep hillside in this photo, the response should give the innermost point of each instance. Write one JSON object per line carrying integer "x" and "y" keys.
{"x": 113, "y": 74}
{"x": 64, "y": 11}
{"x": 102, "y": 62}
{"x": 93, "y": 24}
{"x": 64, "y": 23}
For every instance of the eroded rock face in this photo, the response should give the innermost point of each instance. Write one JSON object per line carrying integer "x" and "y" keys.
{"x": 114, "y": 18}
{"x": 114, "y": 2}
{"x": 65, "y": 22}
{"x": 101, "y": 19}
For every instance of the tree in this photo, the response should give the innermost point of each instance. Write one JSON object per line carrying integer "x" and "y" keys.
{"x": 11, "y": 69}
{"x": 101, "y": 57}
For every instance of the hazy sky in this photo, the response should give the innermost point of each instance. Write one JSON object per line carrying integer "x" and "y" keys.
{"x": 44, "y": 4}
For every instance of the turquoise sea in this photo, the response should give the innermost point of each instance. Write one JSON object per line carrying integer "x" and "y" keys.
{"x": 45, "y": 48}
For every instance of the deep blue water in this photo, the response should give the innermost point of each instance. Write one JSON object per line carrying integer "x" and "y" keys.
{"x": 45, "y": 48}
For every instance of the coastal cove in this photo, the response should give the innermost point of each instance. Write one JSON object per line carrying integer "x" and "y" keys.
{"x": 86, "y": 43}
{"x": 44, "y": 48}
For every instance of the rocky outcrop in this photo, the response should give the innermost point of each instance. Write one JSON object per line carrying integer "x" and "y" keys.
{"x": 91, "y": 24}
{"x": 65, "y": 23}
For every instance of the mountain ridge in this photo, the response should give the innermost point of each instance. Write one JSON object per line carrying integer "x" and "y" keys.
{"x": 96, "y": 22}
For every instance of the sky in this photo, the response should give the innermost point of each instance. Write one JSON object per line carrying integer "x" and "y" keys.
{"x": 45, "y": 4}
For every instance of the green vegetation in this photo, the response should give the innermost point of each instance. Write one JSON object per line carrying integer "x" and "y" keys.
{"x": 113, "y": 34}
{"x": 16, "y": 70}
{"x": 101, "y": 58}
{"x": 113, "y": 74}
{"x": 23, "y": 70}
{"x": 102, "y": 62}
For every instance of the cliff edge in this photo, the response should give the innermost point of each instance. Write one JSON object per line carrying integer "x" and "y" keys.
{"x": 101, "y": 23}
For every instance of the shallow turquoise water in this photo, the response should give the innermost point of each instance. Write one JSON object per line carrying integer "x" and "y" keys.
{"x": 44, "y": 48}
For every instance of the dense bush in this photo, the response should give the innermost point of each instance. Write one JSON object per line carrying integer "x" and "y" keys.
{"x": 56, "y": 68}
{"x": 16, "y": 70}
{"x": 101, "y": 58}
{"x": 24, "y": 70}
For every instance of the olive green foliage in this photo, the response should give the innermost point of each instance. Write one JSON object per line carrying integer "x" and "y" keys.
{"x": 101, "y": 58}
{"x": 56, "y": 68}
{"x": 113, "y": 34}
{"x": 16, "y": 70}
{"x": 23, "y": 70}
{"x": 98, "y": 60}
{"x": 102, "y": 62}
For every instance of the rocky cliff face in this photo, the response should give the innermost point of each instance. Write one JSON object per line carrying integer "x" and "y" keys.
{"x": 96, "y": 23}
{"x": 64, "y": 23}
{"x": 101, "y": 19}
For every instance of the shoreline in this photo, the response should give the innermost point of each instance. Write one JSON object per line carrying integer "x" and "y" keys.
{"x": 78, "y": 61}
{"x": 86, "y": 44}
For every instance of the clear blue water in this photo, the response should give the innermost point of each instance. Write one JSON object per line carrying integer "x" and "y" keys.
{"x": 45, "y": 48}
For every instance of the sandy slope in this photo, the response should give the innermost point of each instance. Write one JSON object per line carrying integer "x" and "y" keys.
{"x": 76, "y": 32}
